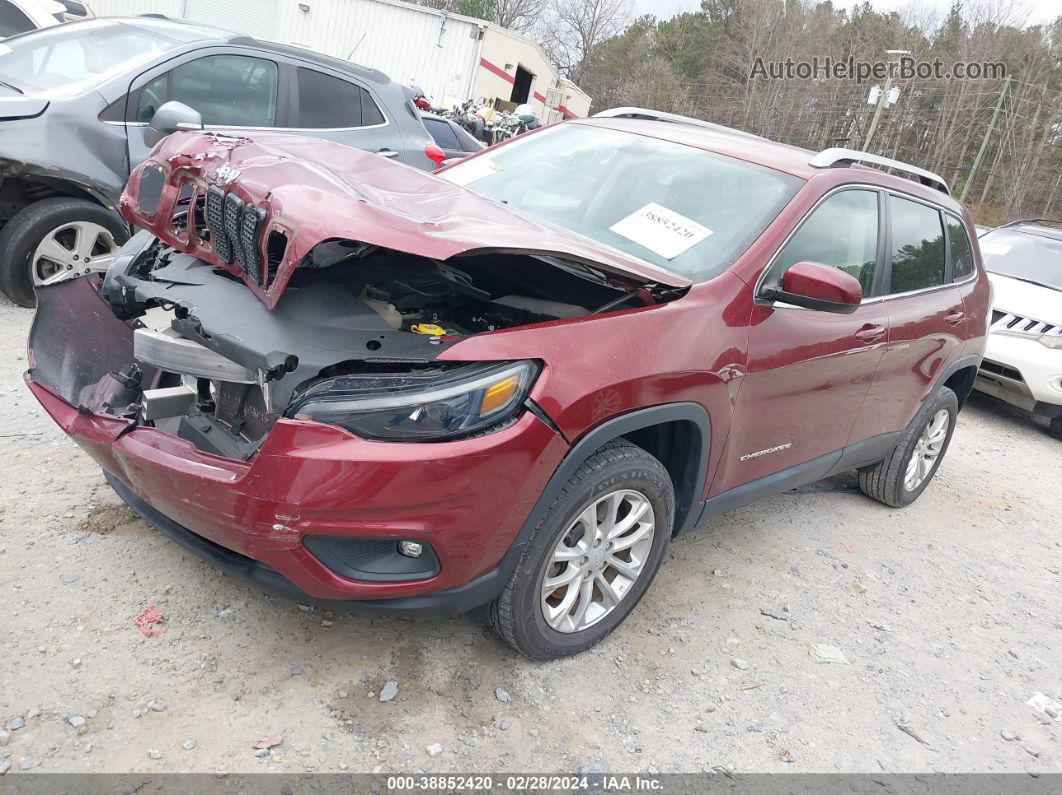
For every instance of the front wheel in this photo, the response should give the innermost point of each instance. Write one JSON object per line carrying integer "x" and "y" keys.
{"x": 56, "y": 239}
{"x": 899, "y": 479}
{"x": 591, "y": 558}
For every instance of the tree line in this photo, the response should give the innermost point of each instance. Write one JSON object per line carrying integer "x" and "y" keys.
{"x": 704, "y": 64}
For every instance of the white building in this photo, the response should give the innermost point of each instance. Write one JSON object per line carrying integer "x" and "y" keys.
{"x": 447, "y": 55}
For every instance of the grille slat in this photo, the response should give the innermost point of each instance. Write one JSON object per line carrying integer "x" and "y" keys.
{"x": 250, "y": 226}
{"x": 215, "y": 217}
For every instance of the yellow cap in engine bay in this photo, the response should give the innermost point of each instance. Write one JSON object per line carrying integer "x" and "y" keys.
{"x": 428, "y": 328}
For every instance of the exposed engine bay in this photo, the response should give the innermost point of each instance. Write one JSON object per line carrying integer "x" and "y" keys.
{"x": 226, "y": 366}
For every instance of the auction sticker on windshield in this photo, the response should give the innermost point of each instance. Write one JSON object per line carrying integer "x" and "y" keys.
{"x": 468, "y": 172}
{"x": 662, "y": 231}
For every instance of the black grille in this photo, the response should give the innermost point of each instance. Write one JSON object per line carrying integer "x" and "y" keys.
{"x": 242, "y": 408}
{"x": 247, "y": 253}
{"x": 215, "y": 216}
{"x": 997, "y": 316}
{"x": 233, "y": 208}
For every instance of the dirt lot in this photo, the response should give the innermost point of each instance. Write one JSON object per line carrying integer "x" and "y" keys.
{"x": 949, "y": 613}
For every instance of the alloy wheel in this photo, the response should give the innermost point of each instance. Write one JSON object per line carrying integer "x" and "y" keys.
{"x": 70, "y": 250}
{"x": 927, "y": 450}
{"x": 597, "y": 560}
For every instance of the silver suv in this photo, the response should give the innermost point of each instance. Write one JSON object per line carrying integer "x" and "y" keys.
{"x": 82, "y": 103}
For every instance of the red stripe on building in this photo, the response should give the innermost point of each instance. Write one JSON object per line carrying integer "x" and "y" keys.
{"x": 496, "y": 70}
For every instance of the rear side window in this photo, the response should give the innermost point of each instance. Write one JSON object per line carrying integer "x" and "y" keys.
{"x": 962, "y": 262}
{"x": 330, "y": 102}
{"x": 13, "y": 21}
{"x": 227, "y": 90}
{"x": 917, "y": 246}
{"x": 841, "y": 232}
{"x": 441, "y": 132}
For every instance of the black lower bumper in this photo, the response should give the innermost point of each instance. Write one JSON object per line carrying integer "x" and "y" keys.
{"x": 448, "y": 603}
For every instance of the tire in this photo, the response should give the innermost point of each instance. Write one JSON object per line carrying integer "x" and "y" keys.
{"x": 887, "y": 481}
{"x": 1055, "y": 428}
{"x": 618, "y": 474}
{"x": 21, "y": 235}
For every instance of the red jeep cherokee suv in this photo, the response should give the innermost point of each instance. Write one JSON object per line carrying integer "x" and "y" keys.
{"x": 511, "y": 383}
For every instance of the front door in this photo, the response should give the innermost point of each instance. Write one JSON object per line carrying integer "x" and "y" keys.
{"x": 231, "y": 92}
{"x": 809, "y": 371}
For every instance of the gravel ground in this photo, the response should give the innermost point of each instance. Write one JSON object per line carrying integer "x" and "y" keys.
{"x": 948, "y": 614}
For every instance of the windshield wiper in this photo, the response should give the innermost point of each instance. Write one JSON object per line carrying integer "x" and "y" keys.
{"x": 5, "y": 84}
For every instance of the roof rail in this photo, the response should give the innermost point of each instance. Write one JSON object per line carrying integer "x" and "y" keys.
{"x": 837, "y": 156}
{"x": 652, "y": 115}
{"x": 660, "y": 115}
{"x": 1036, "y": 221}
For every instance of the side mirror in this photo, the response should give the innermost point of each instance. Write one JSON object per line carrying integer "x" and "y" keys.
{"x": 171, "y": 117}
{"x": 813, "y": 285}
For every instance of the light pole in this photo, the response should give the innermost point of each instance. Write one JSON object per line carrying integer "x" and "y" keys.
{"x": 882, "y": 98}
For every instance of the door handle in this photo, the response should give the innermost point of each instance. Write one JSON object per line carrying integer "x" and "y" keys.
{"x": 387, "y": 153}
{"x": 870, "y": 333}
{"x": 954, "y": 318}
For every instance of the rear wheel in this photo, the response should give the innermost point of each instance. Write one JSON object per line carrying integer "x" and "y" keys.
{"x": 900, "y": 478}
{"x": 53, "y": 240}
{"x": 591, "y": 558}
{"x": 1056, "y": 427}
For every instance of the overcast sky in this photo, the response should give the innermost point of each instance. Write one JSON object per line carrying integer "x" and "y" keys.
{"x": 1040, "y": 11}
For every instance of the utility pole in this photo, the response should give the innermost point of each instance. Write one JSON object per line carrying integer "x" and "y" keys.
{"x": 984, "y": 143}
{"x": 883, "y": 100}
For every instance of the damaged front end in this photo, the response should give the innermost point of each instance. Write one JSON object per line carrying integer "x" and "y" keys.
{"x": 268, "y": 285}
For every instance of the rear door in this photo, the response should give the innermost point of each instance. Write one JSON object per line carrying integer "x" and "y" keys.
{"x": 927, "y": 320}
{"x": 343, "y": 109}
{"x": 809, "y": 371}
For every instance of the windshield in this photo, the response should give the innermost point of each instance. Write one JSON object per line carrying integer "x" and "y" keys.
{"x": 675, "y": 206}
{"x": 1023, "y": 255}
{"x": 77, "y": 55}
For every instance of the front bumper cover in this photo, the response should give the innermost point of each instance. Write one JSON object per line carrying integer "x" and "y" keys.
{"x": 468, "y": 499}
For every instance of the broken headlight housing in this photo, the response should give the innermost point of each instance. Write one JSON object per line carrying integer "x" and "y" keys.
{"x": 428, "y": 406}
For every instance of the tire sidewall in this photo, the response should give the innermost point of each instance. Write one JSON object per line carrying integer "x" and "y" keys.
{"x": 942, "y": 398}
{"x": 24, "y": 231}
{"x": 640, "y": 476}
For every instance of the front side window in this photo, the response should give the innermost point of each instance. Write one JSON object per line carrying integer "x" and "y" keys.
{"x": 842, "y": 232}
{"x": 962, "y": 261}
{"x": 678, "y": 207}
{"x": 227, "y": 90}
{"x": 917, "y": 246}
{"x": 327, "y": 102}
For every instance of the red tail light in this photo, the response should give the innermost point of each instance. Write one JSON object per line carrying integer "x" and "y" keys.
{"x": 435, "y": 154}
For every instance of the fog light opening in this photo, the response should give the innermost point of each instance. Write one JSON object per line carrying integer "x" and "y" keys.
{"x": 411, "y": 549}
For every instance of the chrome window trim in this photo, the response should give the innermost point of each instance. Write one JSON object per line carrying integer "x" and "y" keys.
{"x": 876, "y": 299}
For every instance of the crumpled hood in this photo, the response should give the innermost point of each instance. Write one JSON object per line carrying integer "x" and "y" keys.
{"x": 309, "y": 191}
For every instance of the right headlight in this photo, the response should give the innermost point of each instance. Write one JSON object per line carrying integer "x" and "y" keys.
{"x": 1052, "y": 341}
{"x": 427, "y": 406}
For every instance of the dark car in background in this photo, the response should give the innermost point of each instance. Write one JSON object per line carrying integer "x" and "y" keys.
{"x": 78, "y": 105}
{"x": 451, "y": 137}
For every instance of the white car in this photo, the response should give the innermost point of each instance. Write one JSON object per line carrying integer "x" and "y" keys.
{"x": 21, "y": 16}
{"x": 1023, "y": 359}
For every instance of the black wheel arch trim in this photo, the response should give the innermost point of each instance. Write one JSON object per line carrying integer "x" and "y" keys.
{"x": 686, "y": 514}
{"x": 969, "y": 360}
